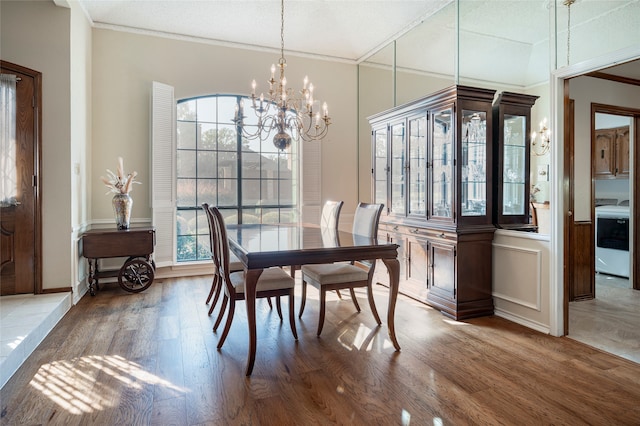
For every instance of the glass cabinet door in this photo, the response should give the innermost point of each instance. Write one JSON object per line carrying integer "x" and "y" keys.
{"x": 473, "y": 171}
{"x": 442, "y": 164}
{"x": 398, "y": 152}
{"x": 417, "y": 165}
{"x": 380, "y": 166}
{"x": 513, "y": 168}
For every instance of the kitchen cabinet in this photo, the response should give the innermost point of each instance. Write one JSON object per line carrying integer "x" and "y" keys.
{"x": 611, "y": 153}
{"x": 512, "y": 117}
{"x": 432, "y": 169}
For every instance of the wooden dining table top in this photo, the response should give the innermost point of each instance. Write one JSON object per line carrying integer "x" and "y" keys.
{"x": 260, "y": 246}
{"x": 265, "y": 245}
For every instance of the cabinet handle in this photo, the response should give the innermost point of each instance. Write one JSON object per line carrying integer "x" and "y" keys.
{"x": 415, "y": 231}
{"x": 442, "y": 235}
{"x": 395, "y": 228}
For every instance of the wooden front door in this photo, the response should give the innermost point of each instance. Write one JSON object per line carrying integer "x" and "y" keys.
{"x": 20, "y": 239}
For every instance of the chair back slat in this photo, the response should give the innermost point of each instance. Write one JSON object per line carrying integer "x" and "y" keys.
{"x": 365, "y": 227}
{"x": 205, "y": 207}
{"x": 331, "y": 214}
{"x": 366, "y": 219}
{"x": 222, "y": 241}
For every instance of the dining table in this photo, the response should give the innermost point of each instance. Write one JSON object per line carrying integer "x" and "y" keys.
{"x": 260, "y": 246}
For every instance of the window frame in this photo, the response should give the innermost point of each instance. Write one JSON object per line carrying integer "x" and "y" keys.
{"x": 199, "y": 234}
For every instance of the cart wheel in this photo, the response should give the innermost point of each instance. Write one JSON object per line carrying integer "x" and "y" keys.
{"x": 135, "y": 275}
{"x": 151, "y": 261}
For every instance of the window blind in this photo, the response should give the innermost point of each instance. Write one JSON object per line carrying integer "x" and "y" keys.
{"x": 163, "y": 212}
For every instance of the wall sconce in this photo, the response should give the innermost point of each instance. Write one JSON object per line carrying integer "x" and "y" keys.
{"x": 541, "y": 140}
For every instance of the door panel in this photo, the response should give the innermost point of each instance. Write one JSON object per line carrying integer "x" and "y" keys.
{"x": 443, "y": 270}
{"x": 582, "y": 282}
{"x": 417, "y": 268}
{"x": 622, "y": 152}
{"x": 603, "y": 158}
{"x": 18, "y": 267}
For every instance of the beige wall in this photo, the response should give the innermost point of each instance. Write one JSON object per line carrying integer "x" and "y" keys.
{"x": 80, "y": 161}
{"x": 540, "y": 111}
{"x": 125, "y": 64}
{"x": 36, "y": 34}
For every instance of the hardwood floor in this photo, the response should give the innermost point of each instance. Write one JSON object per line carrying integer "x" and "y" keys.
{"x": 150, "y": 358}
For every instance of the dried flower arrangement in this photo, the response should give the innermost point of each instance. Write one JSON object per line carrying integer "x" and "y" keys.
{"x": 119, "y": 183}
{"x": 532, "y": 193}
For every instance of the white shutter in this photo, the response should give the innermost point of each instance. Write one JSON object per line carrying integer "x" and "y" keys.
{"x": 163, "y": 131}
{"x": 311, "y": 181}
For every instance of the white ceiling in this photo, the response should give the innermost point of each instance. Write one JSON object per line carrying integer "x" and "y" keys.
{"x": 346, "y": 29}
{"x": 511, "y": 33}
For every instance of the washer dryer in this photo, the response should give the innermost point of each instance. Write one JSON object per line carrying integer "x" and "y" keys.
{"x": 612, "y": 240}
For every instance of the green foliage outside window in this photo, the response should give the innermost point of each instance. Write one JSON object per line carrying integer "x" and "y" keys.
{"x": 250, "y": 182}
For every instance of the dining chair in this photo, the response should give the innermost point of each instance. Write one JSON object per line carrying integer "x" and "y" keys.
{"x": 272, "y": 282}
{"x": 336, "y": 276}
{"x": 329, "y": 219}
{"x": 234, "y": 265}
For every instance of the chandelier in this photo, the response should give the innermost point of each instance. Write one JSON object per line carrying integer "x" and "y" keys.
{"x": 281, "y": 111}
{"x": 541, "y": 140}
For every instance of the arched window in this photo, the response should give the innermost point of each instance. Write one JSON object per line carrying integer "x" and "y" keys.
{"x": 249, "y": 181}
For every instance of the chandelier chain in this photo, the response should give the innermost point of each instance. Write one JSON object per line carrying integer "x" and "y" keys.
{"x": 282, "y": 31}
{"x": 568, "y": 3}
{"x": 568, "y": 34}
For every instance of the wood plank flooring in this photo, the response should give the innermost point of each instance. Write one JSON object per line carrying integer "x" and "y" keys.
{"x": 151, "y": 359}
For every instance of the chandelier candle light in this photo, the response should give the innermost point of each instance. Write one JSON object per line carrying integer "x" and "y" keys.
{"x": 280, "y": 111}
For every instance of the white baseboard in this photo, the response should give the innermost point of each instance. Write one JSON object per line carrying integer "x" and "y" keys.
{"x": 522, "y": 321}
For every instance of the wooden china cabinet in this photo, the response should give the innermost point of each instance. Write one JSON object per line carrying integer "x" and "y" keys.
{"x": 432, "y": 169}
{"x": 512, "y": 120}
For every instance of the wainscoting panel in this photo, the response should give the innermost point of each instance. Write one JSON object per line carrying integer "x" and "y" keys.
{"x": 517, "y": 280}
{"x": 521, "y": 278}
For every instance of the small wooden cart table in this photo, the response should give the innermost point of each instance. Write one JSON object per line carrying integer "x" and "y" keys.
{"x": 136, "y": 244}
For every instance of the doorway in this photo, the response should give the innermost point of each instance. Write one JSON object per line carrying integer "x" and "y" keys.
{"x": 603, "y": 314}
{"x": 20, "y": 209}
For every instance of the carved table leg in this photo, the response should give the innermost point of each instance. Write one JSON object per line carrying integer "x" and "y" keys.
{"x": 393, "y": 266}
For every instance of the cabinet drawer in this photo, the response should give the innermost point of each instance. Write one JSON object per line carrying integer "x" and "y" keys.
{"x": 417, "y": 232}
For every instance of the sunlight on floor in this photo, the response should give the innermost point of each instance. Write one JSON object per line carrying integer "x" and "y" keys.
{"x": 406, "y": 417}
{"x": 81, "y": 385}
{"x": 363, "y": 339}
{"x": 454, "y": 322}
